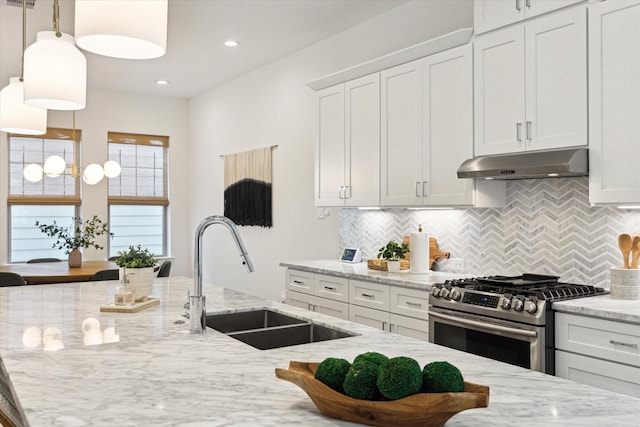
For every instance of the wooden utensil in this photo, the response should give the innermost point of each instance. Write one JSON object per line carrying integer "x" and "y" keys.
{"x": 635, "y": 251}
{"x": 624, "y": 243}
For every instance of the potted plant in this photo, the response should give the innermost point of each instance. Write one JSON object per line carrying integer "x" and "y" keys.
{"x": 393, "y": 252}
{"x": 137, "y": 268}
{"x": 78, "y": 235}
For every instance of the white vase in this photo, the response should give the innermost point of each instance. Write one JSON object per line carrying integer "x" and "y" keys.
{"x": 393, "y": 266}
{"x": 140, "y": 279}
{"x": 75, "y": 258}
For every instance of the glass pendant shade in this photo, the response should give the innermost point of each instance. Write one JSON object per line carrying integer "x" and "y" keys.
{"x": 93, "y": 174}
{"x": 18, "y": 117}
{"x": 54, "y": 166}
{"x": 112, "y": 169}
{"x": 55, "y": 73}
{"x": 33, "y": 172}
{"x": 132, "y": 29}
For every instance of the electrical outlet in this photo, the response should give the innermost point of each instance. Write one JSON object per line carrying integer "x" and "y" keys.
{"x": 457, "y": 265}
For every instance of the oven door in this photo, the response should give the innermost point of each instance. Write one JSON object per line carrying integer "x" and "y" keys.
{"x": 510, "y": 342}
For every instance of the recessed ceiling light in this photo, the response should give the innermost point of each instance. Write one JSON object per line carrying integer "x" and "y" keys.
{"x": 231, "y": 43}
{"x": 162, "y": 82}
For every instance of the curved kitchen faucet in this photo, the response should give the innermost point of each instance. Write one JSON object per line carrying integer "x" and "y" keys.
{"x": 197, "y": 310}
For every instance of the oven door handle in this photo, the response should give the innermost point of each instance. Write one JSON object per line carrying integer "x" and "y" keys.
{"x": 489, "y": 327}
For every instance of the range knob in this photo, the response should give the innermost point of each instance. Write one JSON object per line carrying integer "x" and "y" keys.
{"x": 455, "y": 295}
{"x": 444, "y": 293}
{"x": 518, "y": 304}
{"x": 506, "y": 302}
{"x": 435, "y": 291}
{"x": 530, "y": 307}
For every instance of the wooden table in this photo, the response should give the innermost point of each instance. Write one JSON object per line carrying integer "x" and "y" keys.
{"x": 57, "y": 272}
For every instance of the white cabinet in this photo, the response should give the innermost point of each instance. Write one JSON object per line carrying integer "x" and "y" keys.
{"x": 401, "y": 135}
{"x": 367, "y": 316}
{"x": 318, "y": 292}
{"x": 530, "y": 84}
{"x": 348, "y": 146}
{"x": 614, "y": 102}
{"x": 492, "y": 14}
{"x": 598, "y": 352}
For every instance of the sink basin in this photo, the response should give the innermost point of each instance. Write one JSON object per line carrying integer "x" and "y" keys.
{"x": 246, "y": 320}
{"x": 286, "y": 336}
{"x": 266, "y": 329}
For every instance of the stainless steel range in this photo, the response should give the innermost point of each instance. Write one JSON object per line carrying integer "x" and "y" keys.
{"x": 506, "y": 318}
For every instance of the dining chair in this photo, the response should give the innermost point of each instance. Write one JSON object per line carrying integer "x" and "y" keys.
{"x": 112, "y": 274}
{"x": 36, "y": 260}
{"x": 11, "y": 279}
{"x": 165, "y": 269}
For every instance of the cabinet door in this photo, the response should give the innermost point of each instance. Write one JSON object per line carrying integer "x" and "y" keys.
{"x": 300, "y": 281}
{"x": 556, "y": 80}
{"x": 491, "y": 14}
{"x": 330, "y": 163}
{"x": 409, "y": 327}
{"x": 614, "y": 102}
{"x": 410, "y": 302}
{"x": 298, "y": 299}
{"x": 538, "y": 7}
{"x": 370, "y": 317}
{"x": 598, "y": 373}
{"x": 448, "y": 125}
{"x": 401, "y": 135}
{"x": 332, "y": 308}
{"x": 499, "y": 79}
{"x": 362, "y": 151}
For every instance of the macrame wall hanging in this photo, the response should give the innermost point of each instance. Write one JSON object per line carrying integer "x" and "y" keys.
{"x": 247, "y": 187}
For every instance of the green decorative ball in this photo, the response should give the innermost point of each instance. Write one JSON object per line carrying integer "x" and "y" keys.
{"x": 441, "y": 377}
{"x": 332, "y": 372}
{"x": 399, "y": 377}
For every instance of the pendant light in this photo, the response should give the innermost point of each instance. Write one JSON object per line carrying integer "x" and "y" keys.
{"x": 15, "y": 115}
{"x": 132, "y": 29}
{"x": 55, "y": 71}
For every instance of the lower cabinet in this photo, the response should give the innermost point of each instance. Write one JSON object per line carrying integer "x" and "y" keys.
{"x": 598, "y": 352}
{"x": 386, "y": 307}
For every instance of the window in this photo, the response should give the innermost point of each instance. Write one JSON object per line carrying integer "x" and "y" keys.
{"x": 54, "y": 198}
{"x": 138, "y": 198}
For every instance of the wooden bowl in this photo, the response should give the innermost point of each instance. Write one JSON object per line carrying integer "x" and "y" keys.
{"x": 422, "y": 409}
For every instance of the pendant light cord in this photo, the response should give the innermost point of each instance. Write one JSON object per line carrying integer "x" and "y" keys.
{"x": 56, "y": 18}
{"x": 24, "y": 36}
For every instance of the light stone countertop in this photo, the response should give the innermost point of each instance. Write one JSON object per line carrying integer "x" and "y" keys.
{"x": 72, "y": 365}
{"x": 600, "y": 306}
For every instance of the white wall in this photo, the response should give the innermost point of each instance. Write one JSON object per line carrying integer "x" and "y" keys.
{"x": 272, "y": 105}
{"x": 123, "y": 112}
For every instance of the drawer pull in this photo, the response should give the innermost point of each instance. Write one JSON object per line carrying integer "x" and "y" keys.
{"x": 329, "y": 288}
{"x": 413, "y": 304}
{"x": 368, "y": 295}
{"x": 298, "y": 282}
{"x": 626, "y": 344}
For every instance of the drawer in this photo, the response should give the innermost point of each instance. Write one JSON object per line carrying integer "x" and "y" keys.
{"x": 598, "y": 373}
{"x": 409, "y": 327}
{"x": 300, "y": 281}
{"x": 331, "y": 287}
{"x": 410, "y": 302}
{"x": 605, "y": 339}
{"x": 332, "y": 308}
{"x": 369, "y": 294}
{"x": 367, "y": 316}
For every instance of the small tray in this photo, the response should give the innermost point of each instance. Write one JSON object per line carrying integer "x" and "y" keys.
{"x": 112, "y": 308}
{"x": 422, "y": 409}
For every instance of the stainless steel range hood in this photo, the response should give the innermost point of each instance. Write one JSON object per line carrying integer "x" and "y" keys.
{"x": 533, "y": 164}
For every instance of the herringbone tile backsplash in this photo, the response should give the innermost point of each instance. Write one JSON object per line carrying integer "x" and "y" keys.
{"x": 547, "y": 227}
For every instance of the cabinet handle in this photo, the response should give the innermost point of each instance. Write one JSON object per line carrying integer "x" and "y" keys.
{"x": 329, "y": 288}
{"x": 384, "y": 327}
{"x": 626, "y": 344}
{"x": 519, "y": 132}
{"x": 341, "y": 192}
{"x": 418, "y": 189}
{"x": 368, "y": 295}
{"x": 424, "y": 184}
{"x": 414, "y": 304}
{"x": 347, "y": 192}
{"x": 298, "y": 282}
{"x": 518, "y": 5}
{"x": 528, "y": 131}
{"x": 527, "y": 3}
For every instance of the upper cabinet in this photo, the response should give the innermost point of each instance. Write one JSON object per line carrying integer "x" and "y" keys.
{"x": 492, "y": 14}
{"x": 348, "y": 146}
{"x": 427, "y": 132}
{"x": 530, "y": 83}
{"x": 614, "y": 102}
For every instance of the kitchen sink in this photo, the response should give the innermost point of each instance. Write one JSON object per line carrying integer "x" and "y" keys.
{"x": 246, "y": 320}
{"x": 266, "y": 329}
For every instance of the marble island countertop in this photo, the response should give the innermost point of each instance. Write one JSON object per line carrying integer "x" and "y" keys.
{"x": 72, "y": 365}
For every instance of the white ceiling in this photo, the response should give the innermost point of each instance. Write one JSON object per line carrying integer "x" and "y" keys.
{"x": 196, "y": 59}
